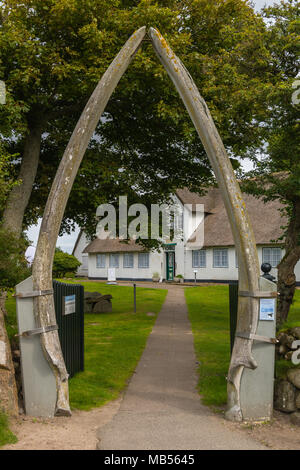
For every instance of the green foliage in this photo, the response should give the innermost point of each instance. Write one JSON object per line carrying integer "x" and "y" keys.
{"x": 70, "y": 275}
{"x": 7, "y": 179}
{"x": 52, "y": 54}
{"x": 11, "y": 319}
{"x": 277, "y": 172}
{"x": 6, "y": 436}
{"x": 64, "y": 264}
{"x": 280, "y": 124}
{"x": 13, "y": 264}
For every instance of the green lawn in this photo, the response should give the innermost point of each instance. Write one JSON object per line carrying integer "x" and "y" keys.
{"x": 209, "y": 315}
{"x": 294, "y": 315}
{"x": 6, "y": 436}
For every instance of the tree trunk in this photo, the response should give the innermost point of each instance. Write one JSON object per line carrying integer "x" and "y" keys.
{"x": 3, "y": 296}
{"x": 18, "y": 198}
{"x": 8, "y": 388}
{"x": 286, "y": 268}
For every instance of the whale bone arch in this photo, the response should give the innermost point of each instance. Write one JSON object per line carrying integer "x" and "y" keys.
{"x": 248, "y": 307}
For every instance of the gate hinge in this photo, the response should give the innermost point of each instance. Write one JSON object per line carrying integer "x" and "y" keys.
{"x": 263, "y": 339}
{"x": 258, "y": 294}
{"x": 38, "y": 331}
{"x": 35, "y": 293}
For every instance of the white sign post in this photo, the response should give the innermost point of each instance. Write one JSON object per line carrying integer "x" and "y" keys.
{"x": 111, "y": 276}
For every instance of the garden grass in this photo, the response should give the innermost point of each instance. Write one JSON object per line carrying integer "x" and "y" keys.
{"x": 208, "y": 308}
{"x": 6, "y": 436}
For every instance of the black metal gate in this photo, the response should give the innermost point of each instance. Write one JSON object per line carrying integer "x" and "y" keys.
{"x": 69, "y": 309}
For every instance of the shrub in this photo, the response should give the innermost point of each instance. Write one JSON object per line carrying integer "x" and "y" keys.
{"x": 64, "y": 264}
{"x": 70, "y": 275}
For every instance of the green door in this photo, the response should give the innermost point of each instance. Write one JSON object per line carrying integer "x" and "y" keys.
{"x": 170, "y": 262}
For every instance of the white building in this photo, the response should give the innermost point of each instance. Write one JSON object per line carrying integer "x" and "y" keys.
{"x": 216, "y": 261}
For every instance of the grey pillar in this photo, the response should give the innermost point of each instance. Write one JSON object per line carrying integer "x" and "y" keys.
{"x": 39, "y": 386}
{"x": 257, "y": 385}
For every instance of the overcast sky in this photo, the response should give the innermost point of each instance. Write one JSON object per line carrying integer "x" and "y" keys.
{"x": 261, "y": 3}
{"x": 66, "y": 242}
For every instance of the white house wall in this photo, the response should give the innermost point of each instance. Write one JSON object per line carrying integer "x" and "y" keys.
{"x": 191, "y": 219}
{"x": 155, "y": 265}
{"x": 209, "y": 272}
{"x": 183, "y": 266}
{"x": 231, "y": 273}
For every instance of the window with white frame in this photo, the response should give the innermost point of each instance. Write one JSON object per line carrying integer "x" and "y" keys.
{"x": 114, "y": 260}
{"x": 143, "y": 260}
{"x": 220, "y": 258}
{"x": 100, "y": 260}
{"x": 236, "y": 259}
{"x": 199, "y": 258}
{"x": 128, "y": 260}
{"x": 272, "y": 255}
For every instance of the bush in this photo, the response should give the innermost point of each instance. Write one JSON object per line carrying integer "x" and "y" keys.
{"x": 64, "y": 264}
{"x": 69, "y": 275}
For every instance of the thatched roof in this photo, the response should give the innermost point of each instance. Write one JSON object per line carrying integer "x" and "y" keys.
{"x": 112, "y": 245}
{"x": 266, "y": 219}
{"x": 187, "y": 197}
